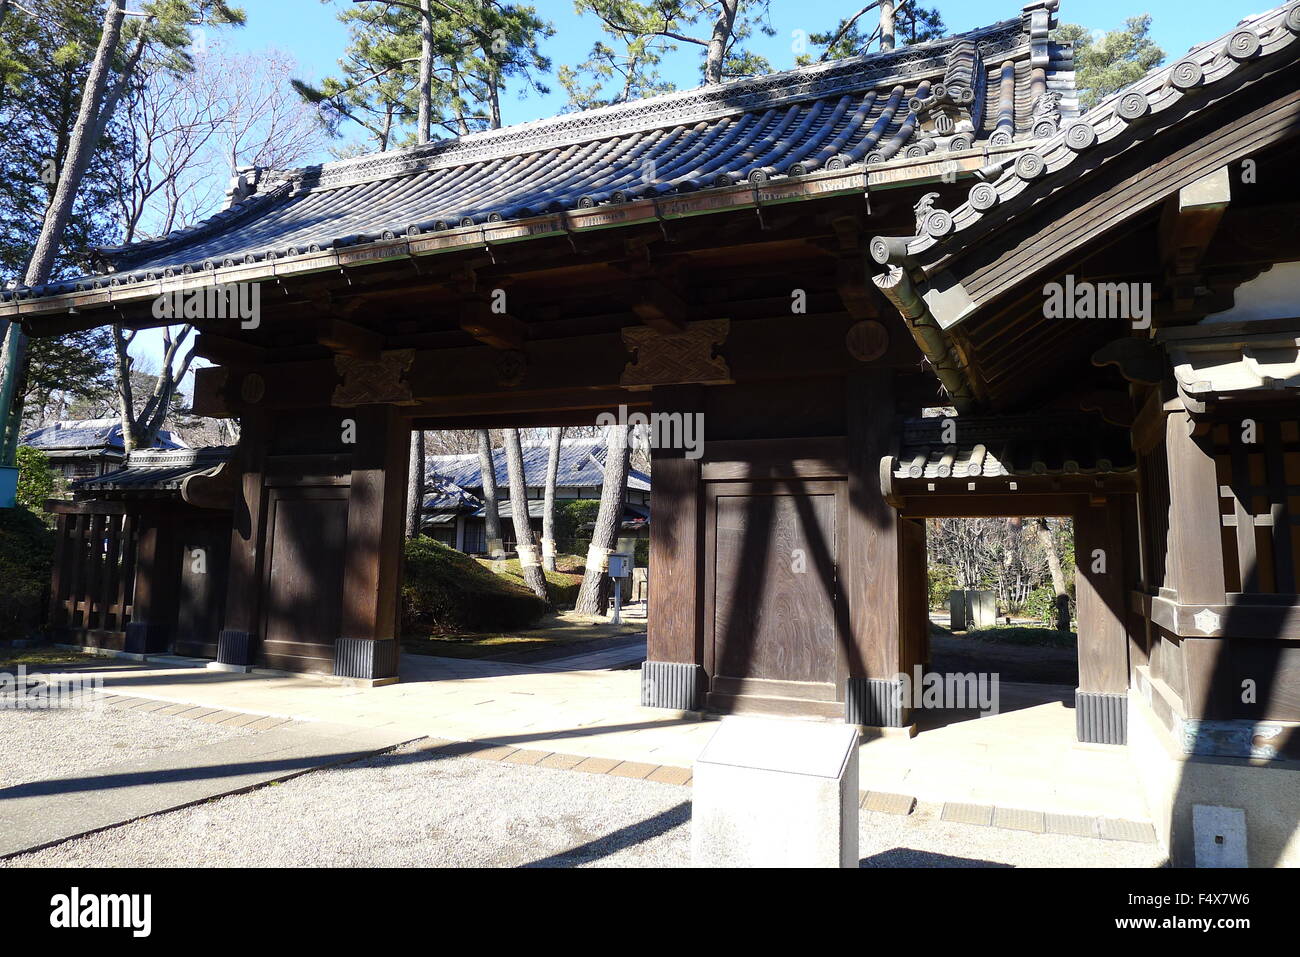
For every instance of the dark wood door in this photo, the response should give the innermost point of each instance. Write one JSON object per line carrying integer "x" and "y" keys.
{"x": 773, "y": 564}
{"x": 205, "y": 557}
{"x": 307, "y": 535}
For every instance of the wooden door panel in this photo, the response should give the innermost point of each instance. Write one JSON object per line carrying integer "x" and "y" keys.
{"x": 774, "y": 591}
{"x": 308, "y": 535}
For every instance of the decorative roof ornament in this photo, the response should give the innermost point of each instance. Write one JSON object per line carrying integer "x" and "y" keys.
{"x": 1047, "y": 114}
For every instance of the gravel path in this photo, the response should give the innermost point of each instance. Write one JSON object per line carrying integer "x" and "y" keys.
{"x": 39, "y": 745}
{"x": 407, "y": 810}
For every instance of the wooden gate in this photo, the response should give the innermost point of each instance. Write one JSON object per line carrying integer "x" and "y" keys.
{"x": 773, "y": 635}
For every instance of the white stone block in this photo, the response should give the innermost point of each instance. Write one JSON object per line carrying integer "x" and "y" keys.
{"x": 775, "y": 793}
{"x": 1219, "y": 836}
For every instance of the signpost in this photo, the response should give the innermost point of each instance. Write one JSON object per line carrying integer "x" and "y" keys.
{"x": 620, "y": 567}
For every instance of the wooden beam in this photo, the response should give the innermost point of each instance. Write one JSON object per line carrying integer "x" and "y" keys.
{"x": 227, "y": 351}
{"x": 658, "y": 306}
{"x": 1190, "y": 219}
{"x": 348, "y": 339}
{"x": 498, "y": 330}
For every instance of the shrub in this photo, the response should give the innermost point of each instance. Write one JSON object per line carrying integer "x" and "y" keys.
{"x": 562, "y": 586}
{"x": 26, "y": 554}
{"x": 445, "y": 591}
{"x": 570, "y": 518}
{"x": 35, "y": 479}
{"x": 1041, "y": 605}
{"x": 942, "y": 580}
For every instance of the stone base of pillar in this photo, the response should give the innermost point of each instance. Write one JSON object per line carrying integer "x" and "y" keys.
{"x": 368, "y": 659}
{"x": 145, "y": 638}
{"x": 1101, "y": 718}
{"x": 875, "y": 702}
{"x": 672, "y": 684}
{"x": 235, "y": 648}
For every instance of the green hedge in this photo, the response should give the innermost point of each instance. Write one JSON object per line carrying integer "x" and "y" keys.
{"x": 26, "y": 554}
{"x": 570, "y": 517}
{"x": 446, "y": 591}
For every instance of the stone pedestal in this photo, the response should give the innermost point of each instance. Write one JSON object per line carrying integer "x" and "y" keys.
{"x": 776, "y": 793}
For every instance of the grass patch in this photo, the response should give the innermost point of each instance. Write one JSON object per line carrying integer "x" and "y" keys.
{"x": 558, "y": 628}
{"x": 1025, "y": 635}
{"x": 562, "y": 584}
{"x": 42, "y": 656}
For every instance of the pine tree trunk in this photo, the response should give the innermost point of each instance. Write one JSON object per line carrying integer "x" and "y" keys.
{"x": 491, "y": 517}
{"x": 716, "y": 56}
{"x": 1048, "y": 540}
{"x": 85, "y": 136}
{"x": 608, "y": 518}
{"x": 548, "y": 501}
{"x": 530, "y": 567}
{"x": 415, "y": 486}
{"x": 425, "y": 117}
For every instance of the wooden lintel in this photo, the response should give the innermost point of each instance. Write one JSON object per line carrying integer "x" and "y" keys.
{"x": 658, "y": 306}
{"x": 227, "y": 351}
{"x": 349, "y": 339}
{"x": 498, "y": 330}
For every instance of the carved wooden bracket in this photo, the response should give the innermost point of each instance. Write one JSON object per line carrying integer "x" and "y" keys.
{"x": 379, "y": 381}
{"x": 676, "y": 359}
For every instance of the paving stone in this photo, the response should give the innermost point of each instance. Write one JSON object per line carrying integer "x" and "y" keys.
{"x": 1076, "y": 825}
{"x": 632, "y": 769}
{"x": 981, "y": 814}
{"x": 1116, "y": 829}
{"x": 198, "y": 713}
{"x": 564, "y": 762}
{"x": 1019, "y": 820}
{"x": 148, "y": 706}
{"x": 494, "y": 753}
{"x": 175, "y": 708}
{"x": 526, "y": 756}
{"x": 239, "y": 720}
{"x": 597, "y": 765}
{"x": 216, "y": 717}
{"x": 886, "y": 803}
{"x": 267, "y": 723}
{"x": 666, "y": 774}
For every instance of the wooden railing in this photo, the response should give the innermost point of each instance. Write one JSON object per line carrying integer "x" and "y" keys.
{"x": 94, "y": 572}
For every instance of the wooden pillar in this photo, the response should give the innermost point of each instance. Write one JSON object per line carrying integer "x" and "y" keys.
{"x": 367, "y": 648}
{"x": 870, "y": 578}
{"x": 237, "y": 642}
{"x": 157, "y": 583}
{"x": 1195, "y": 561}
{"x": 1101, "y": 594}
{"x": 673, "y": 674}
{"x": 58, "y": 619}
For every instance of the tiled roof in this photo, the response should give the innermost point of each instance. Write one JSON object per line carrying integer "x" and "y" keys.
{"x": 89, "y": 434}
{"x": 986, "y": 87}
{"x": 1008, "y": 446}
{"x": 445, "y": 496}
{"x": 1122, "y": 114}
{"x": 156, "y": 469}
{"x": 582, "y": 463}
